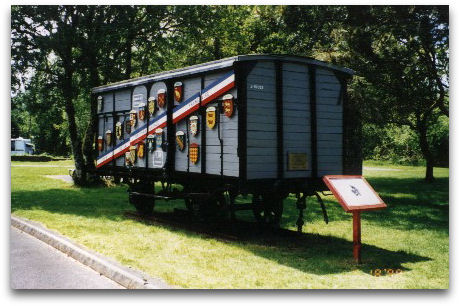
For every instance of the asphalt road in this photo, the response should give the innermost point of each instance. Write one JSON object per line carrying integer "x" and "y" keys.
{"x": 36, "y": 265}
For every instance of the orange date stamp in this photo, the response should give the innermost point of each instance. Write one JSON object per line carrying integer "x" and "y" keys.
{"x": 385, "y": 272}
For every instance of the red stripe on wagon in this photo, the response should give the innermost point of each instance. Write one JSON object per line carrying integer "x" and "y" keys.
{"x": 186, "y": 113}
{"x": 104, "y": 162}
{"x": 217, "y": 93}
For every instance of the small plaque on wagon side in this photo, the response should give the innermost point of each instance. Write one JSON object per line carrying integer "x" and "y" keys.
{"x": 297, "y": 161}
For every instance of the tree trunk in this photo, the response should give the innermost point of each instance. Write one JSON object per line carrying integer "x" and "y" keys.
{"x": 88, "y": 140}
{"x": 129, "y": 56}
{"x": 217, "y": 48}
{"x": 425, "y": 148}
{"x": 79, "y": 175}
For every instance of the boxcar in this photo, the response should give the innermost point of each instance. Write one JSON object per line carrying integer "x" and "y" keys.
{"x": 264, "y": 125}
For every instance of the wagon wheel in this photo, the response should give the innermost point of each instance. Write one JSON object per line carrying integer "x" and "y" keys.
{"x": 144, "y": 205}
{"x": 208, "y": 209}
{"x": 267, "y": 209}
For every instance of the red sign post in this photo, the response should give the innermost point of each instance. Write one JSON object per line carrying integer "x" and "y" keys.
{"x": 355, "y": 195}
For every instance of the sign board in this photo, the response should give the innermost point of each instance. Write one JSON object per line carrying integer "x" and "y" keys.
{"x": 353, "y": 192}
{"x": 137, "y": 100}
{"x": 297, "y": 161}
{"x": 158, "y": 158}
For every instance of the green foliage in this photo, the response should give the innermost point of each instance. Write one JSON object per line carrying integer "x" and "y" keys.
{"x": 31, "y": 112}
{"x": 398, "y": 144}
{"x": 438, "y": 137}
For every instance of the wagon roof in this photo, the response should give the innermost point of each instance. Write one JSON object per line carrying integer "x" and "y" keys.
{"x": 215, "y": 65}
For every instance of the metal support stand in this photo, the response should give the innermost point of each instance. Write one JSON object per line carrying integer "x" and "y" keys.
{"x": 232, "y": 206}
{"x": 323, "y": 208}
{"x": 301, "y": 205}
{"x": 357, "y": 236}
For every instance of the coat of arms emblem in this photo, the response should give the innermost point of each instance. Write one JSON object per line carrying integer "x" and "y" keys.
{"x": 211, "y": 117}
{"x": 100, "y": 104}
{"x": 128, "y": 160}
{"x": 178, "y": 91}
{"x": 228, "y": 105}
{"x": 180, "y": 140}
{"x": 194, "y": 153}
{"x": 140, "y": 150}
{"x": 151, "y": 105}
{"x": 132, "y": 155}
{"x": 141, "y": 112}
{"x": 194, "y": 128}
{"x": 161, "y": 98}
{"x": 132, "y": 118}
{"x": 119, "y": 130}
{"x": 128, "y": 126}
{"x": 159, "y": 138}
{"x": 100, "y": 143}
{"x": 151, "y": 143}
{"x": 108, "y": 137}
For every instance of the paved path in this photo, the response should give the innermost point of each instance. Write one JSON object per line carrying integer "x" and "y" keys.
{"x": 65, "y": 178}
{"x": 36, "y": 265}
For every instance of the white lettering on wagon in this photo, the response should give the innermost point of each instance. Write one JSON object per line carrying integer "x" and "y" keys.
{"x": 256, "y": 86}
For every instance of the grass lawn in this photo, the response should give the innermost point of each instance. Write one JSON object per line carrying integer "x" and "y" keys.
{"x": 412, "y": 234}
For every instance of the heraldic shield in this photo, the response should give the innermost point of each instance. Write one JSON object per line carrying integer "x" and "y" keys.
{"x": 194, "y": 127}
{"x": 180, "y": 140}
{"x": 161, "y": 98}
{"x": 178, "y": 90}
{"x": 100, "y": 104}
{"x": 132, "y": 155}
{"x": 151, "y": 143}
{"x": 127, "y": 126}
{"x": 128, "y": 159}
{"x": 159, "y": 138}
{"x": 151, "y": 105}
{"x": 108, "y": 137}
{"x": 140, "y": 150}
{"x": 194, "y": 153}
{"x": 100, "y": 143}
{"x": 119, "y": 130}
{"x": 228, "y": 105}
{"x": 141, "y": 112}
{"x": 211, "y": 117}
{"x": 132, "y": 118}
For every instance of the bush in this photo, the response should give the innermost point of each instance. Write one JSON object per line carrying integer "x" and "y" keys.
{"x": 400, "y": 144}
{"x": 36, "y": 158}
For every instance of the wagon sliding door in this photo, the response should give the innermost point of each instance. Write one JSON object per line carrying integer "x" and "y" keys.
{"x": 297, "y": 155}
{"x": 261, "y": 122}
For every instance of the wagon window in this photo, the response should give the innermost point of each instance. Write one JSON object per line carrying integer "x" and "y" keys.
{"x": 13, "y": 146}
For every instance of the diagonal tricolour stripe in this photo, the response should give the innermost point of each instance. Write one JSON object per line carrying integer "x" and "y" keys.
{"x": 192, "y": 104}
{"x": 213, "y": 90}
{"x": 186, "y": 108}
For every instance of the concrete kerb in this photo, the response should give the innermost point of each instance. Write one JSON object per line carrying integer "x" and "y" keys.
{"x": 127, "y": 277}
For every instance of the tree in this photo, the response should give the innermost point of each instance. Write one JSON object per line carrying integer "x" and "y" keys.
{"x": 38, "y": 34}
{"x": 401, "y": 58}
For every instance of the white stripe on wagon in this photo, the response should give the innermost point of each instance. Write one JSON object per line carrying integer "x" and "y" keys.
{"x": 160, "y": 122}
{"x": 213, "y": 91}
{"x": 181, "y": 111}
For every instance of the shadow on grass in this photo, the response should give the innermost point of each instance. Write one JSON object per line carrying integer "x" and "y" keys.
{"x": 305, "y": 252}
{"x": 412, "y": 204}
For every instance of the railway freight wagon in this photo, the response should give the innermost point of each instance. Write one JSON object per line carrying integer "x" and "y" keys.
{"x": 259, "y": 125}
